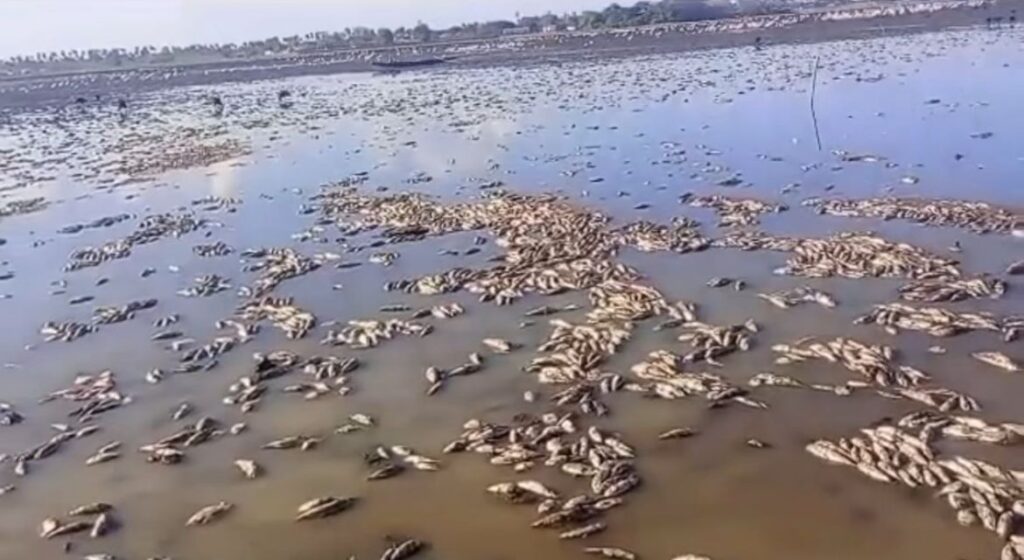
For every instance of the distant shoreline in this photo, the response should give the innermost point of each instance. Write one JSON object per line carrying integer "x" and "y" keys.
{"x": 58, "y": 89}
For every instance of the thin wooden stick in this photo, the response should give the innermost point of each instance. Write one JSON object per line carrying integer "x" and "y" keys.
{"x": 814, "y": 90}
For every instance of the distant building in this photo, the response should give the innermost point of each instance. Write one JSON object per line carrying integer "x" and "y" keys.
{"x": 515, "y": 31}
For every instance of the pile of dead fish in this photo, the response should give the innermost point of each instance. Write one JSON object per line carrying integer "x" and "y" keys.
{"x": 294, "y": 321}
{"x": 183, "y": 154}
{"x": 206, "y": 285}
{"x": 247, "y": 392}
{"x": 218, "y": 249}
{"x": 858, "y": 255}
{"x": 66, "y": 331}
{"x": 663, "y": 375}
{"x": 875, "y": 362}
{"x": 952, "y": 290}
{"x": 965, "y": 428}
{"x": 934, "y": 321}
{"x": 275, "y": 266}
{"x": 979, "y": 492}
{"x": 975, "y": 216}
{"x": 572, "y": 351}
{"x": 734, "y": 211}
{"x": 104, "y": 221}
{"x": 557, "y": 442}
{"x": 442, "y": 311}
{"x": 105, "y": 315}
{"x": 101, "y": 524}
{"x": 51, "y": 446}
{"x": 203, "y": 358}
{"x": 877, "y": 365}
{"x": 96, "y": 394}
{"x": 680, "y": 237}
{"x": 169, "y": 450}
{"x": 370, "y": 333}
{"x": 804, "y": 294}
{"x": 710, "y": 342}
{"x": 16, "y": 207}
{"x": 389, "y": 462}
{"x": 150, "y": 229}
{"x": 848, "y": 254}
{"x": 551, "y": 246}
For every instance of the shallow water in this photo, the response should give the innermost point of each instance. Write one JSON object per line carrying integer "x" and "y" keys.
{"x": 609, "y": 136}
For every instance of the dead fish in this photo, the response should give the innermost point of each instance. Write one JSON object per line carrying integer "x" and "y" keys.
{"x": 583, "y": 532}
{"x": 101, "y": 526}
{"x": 718, "y": 282}
{"x": 289, "y": 442}
{"x": 1015, "y": 268}
{"x": 53, "y": 528}
{"x": 183, "y": 410}
{"x": 677, "y": 433}
{"x": 327, "y": 506}
{"x": 166, "y": 335}
{"x": 997, "y": 359}
{"x": 405, "y": 549}
{"x": 534, "y": 487}
{"x": 362, "y": 419}
{"x": 48, "y": 526}
{"x": 7, "y": 489}
{"x": 248, "y": 467}
{"x": 102, "y": 457}
{"x": 610, "y": 552}
{"x": 387, "y": 471}
{"x": 499, "y": 345}
{"x": 347, "y": 429}
{"x": 80, "y": 299}
{"x": 757, "y": 444}
{"x": 90, "y": 509}
{"x": 208, "y": 514}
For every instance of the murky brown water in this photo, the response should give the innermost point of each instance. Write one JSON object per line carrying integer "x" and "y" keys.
{"x": 653, "y": 128}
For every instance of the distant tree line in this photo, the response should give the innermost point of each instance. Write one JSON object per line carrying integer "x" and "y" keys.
{"x": 613, "y": 16}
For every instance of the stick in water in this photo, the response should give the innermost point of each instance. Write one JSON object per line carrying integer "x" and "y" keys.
{"x": 814, "y": 90}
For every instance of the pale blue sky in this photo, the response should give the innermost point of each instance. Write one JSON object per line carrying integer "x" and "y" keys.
{"x": 28, "y": 26}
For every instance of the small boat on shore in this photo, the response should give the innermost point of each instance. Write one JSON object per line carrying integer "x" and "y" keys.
{"x": 414, "y": 63}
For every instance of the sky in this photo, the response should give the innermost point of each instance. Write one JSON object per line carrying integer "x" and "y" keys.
{"x": 29, "y": 26}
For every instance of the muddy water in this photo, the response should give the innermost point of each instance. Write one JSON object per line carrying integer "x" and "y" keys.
{"x": 608, "y": 136}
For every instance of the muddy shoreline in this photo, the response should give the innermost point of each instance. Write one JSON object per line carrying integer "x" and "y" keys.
{"x": 17, "y": 93}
